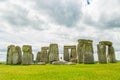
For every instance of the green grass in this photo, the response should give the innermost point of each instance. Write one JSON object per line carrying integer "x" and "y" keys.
{"x": 61, "y": 72}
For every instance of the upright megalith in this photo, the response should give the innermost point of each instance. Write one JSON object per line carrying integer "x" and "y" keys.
{"x": 70, "y": 55}
{"x": 85, "y": 51}
{"x": 45, "y": 54}
{"x": 14, "y": 55}
{"x": 38, "y": 57}
{"x": 27, "y": 54}
{"x": 102, "y": 51}
{"x": 111, "y": 54}
{"x": 53, "y": 53}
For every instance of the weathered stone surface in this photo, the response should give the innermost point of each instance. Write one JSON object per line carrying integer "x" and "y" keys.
{"x": 14, "y": 55}
{"x": 41, "y": 63}
{"x": 80, "y": 52}
{"x": 38, "y": 58}
{"x": 111, "y": 55}
{"x": 53, "y": 53}
{"x": 73, "y": 53}
{"x": 68, "y": 56}
{"x": 88, "y": 55}
{"x": 101, "y": 50}
{"x": 85, "y": 51}
{"x": 19, "y": 54}
{"x": 105, "y": 43}
{"x": 10, "y": 54}
{"x": 44, "y": 54}
{"x": 59, "y": 62}
{"x": 73, "y": 60}
{"x": 27, "y": 54}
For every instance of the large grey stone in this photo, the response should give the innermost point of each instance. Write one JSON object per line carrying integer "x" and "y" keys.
{"x": 14, "y": 55}
{"x": 38, "y": 57}
{"x": 27, "y": 54}
{"x": 53, "y": 53}
{"x": 44, "y": 54}
{"x": 69, "y": 55}
{"x": 85, "y": 51}
{"x": 101, "y": 50}
{"x": 10, "y": 54}
{"x": 111, "y": 55}
{"x": 66, "y": 54}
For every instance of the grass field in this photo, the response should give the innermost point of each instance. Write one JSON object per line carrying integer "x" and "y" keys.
{"x": 60, "y": 72}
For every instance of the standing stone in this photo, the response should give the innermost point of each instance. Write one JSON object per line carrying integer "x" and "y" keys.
{"x": 73, "y": 53}
{"x": 44, "y": 54}
{"x": 38, "y": 58}
{"x": 88, "y": 55}
{"x": 53, "y": 53}
{"x": 19, "y": 54}
{"x": 85, "y": 51}
{"x": 80, "y": 52}
{"x": 101, "y": 53}
{"x": 70, "y": 56}
{"x": 111, "y": 54}
{"x": 27, "y": 54}
{"x": 10, "y": 54}
{"x": 66, "y": 54}
{"x": 14, "y": 55}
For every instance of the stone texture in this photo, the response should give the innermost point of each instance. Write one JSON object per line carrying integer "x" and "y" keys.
{"x": 53, "y": 53}
{"x": 88, "y": 53}
{"x": 105, "y": 43}
{"x": 44, "y": 54}
{"x": 27, "y": 54}
{"x": 101, "y": 50}
{"x": 10, "y": 54}
{"x": 66, "y": 54}
{"x": 19, "y": 54}
{"x": 59, "y": 62}
{"x": 80, "y": 52}
{"x": 85, "y": 51}
{"x": 38, "y": 57}
{"x": 41, "y": 63}
{"x": 73, "y": 60}
{"x": 72, "y": 55}
{"x": 14, "y": 55}
{"x": 111, "y": 55}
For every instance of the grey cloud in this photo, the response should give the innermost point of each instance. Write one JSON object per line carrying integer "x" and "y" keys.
{"x": 104, "y": 22}
{"x": 63, "y": 12}
{"x": 113, "y": 22}
{"x": 18, "y": 17}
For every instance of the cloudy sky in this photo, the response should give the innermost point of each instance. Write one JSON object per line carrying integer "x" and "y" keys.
{"x": 41, "y": 22}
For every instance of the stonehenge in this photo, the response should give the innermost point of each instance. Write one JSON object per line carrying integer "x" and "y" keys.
{"x": 44, "y": 54}
{"x": 27, "y": 54}
{"x": 38, "y": 57}
{"x": 80, "y": 53}
{"x": 53, "y": 53}
{"x": 85, "y": 51}
{"x": 70, "y": 56}
{"x": 102, "y": 52}
{"x": 14, "y": 55}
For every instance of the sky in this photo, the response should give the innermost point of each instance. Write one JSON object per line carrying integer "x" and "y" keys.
{"x": 42, "y": 22}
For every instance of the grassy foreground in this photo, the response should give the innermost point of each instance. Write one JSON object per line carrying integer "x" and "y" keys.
{"x": 61, "y": 72}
